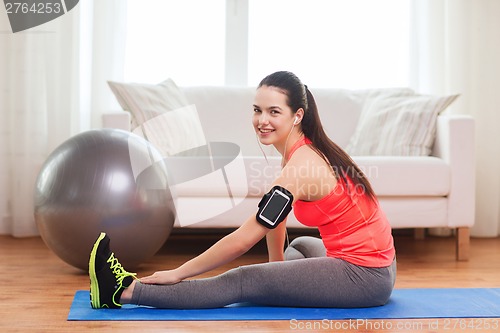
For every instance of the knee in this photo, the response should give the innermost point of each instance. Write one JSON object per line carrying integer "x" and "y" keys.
{"x": 295, "y": 250}
{"x": 292, "y": 253}
{"x": 305, "y": 247}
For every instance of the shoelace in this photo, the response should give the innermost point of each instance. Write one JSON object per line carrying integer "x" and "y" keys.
{"x": 118, "y": 270}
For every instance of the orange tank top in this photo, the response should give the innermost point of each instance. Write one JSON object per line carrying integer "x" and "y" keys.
{"x": 352, "y": 226}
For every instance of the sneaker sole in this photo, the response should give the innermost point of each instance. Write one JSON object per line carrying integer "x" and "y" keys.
{"x": 94, "y": 283}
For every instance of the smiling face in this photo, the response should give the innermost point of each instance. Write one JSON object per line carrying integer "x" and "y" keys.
{"x": 272, "y": 119}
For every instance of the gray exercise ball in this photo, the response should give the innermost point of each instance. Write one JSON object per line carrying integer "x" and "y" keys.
{"x": 105, "y": 180}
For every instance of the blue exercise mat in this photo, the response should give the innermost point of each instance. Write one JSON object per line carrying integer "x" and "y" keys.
{"x": 404, "y": 304}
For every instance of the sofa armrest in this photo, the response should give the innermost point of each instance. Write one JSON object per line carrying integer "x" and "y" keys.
{"x": 455, "y": 144}
{"x": 117, "y": 119}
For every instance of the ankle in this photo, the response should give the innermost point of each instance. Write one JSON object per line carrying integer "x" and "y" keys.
{"x": 127, "y": 293}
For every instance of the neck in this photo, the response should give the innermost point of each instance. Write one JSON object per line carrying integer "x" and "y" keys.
{"x": 285, "y": 147}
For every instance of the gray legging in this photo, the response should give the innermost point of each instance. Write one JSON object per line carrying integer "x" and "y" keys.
{"x": 307, "y": 278}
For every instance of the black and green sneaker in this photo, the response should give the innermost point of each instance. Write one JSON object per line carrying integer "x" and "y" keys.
{"x": 108, "y": 278}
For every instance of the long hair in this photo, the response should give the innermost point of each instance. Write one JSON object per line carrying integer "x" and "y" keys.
{"x": 299, "y": 96}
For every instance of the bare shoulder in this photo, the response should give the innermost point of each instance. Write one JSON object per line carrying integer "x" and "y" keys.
{"x": 309, "y": 172}
{"x": 306, "y": 157}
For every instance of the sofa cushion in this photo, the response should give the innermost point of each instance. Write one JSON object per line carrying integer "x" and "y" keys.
{"x": 161, "y": 114}
{"x": 406, "y": 175}
{"x": 402, "y": 212}
{"x": 398, "y": 125}
{"x": 174, "y": 131}
{"x": 340, "y": 109}
{"x": 421, "y": 176}
{"x": 415, "y": 212}
{"x": 146, "y": 101}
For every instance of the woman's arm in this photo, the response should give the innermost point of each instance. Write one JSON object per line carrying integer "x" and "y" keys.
{"x": 225, "y": 250}
{"x": 275, "y": 240}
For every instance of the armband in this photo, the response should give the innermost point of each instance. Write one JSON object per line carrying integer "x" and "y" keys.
{"x": 274, "y": 207}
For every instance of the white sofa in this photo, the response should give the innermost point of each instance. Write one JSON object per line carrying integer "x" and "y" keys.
{"x": 415, "y": 191}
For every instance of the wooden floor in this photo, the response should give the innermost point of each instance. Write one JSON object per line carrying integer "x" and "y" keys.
{"x": 37, "y": 287}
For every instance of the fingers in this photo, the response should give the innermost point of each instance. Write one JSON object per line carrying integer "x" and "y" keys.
{"x": 164, "y": 277}
{"x": 151, "y": 279}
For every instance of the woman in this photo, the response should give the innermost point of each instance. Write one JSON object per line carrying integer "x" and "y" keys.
{"x": 352, "y": 265}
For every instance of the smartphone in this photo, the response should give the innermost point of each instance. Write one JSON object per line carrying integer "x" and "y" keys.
{"x": 274, "y": 207}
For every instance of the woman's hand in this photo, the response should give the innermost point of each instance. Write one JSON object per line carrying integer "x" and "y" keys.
{"x": 162, "y": 277}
